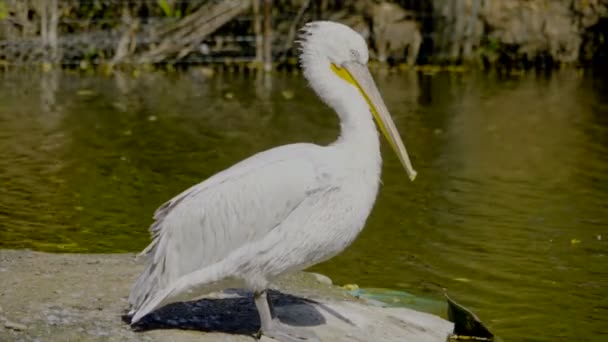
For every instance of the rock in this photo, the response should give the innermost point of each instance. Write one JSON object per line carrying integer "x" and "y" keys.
{"x": 395, "y": 32}
{"x": 536, "y": 26}
{"x": 14, "y": 326}
{"x": 303, "y": 299}
{"x": 323, "y": 279}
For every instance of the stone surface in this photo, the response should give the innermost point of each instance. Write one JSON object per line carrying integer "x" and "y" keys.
{"x": 81, "y": 297}
{"x": 14, "y": 326}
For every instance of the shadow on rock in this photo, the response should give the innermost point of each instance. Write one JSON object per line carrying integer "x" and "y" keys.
{"x": 230, "y": 315}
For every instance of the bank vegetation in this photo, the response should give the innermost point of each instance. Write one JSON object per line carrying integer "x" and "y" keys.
{"x": 517, "y": 33}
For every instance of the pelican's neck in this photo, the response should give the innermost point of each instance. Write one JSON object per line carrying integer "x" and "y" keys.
{"x": 357, "y": 127}
{"x": 358, "y": 135}
{"x": 358, "y": 141}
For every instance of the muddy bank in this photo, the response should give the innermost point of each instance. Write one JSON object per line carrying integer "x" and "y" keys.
{"x": 81, "y": 297}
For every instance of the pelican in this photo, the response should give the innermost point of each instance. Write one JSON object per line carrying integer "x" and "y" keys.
{"x": 280, "y": 210}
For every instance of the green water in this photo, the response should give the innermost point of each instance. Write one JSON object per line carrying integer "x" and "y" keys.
{"x": 509, "y": 211}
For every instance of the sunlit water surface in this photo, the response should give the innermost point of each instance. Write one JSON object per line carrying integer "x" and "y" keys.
{"x": 509, "y": 212}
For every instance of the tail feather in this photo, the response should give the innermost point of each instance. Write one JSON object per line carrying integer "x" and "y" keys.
{"x": 145, "y": 286}
{"x": 188, "y": 287}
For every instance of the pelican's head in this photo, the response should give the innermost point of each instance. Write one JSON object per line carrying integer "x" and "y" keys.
{"x": 334, "y": 59}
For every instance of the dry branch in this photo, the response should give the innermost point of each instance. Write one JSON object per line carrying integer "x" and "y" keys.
{"x": 293, "y": 27}
{"x": 186, "y": 34}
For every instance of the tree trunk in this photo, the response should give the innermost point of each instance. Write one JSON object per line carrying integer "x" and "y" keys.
{"x": 44, "y": 24}
{"x": 257, "y": 29}
{"x": 267, "y": 35}
{"x": 442, "y": 25}
{"x": 294, "y": 27}
{"x": 128, "y": 40}
{"x": 53, "y": 37}
{"x": 469, "y": 35}
{"x": 458, "y": 19}
{"x": 49, "y": 22}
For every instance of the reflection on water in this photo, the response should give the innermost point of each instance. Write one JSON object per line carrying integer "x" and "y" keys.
{"x": 509, "y": 211}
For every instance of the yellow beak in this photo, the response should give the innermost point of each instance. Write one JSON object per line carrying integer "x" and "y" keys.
{"x": 358, "y": 75}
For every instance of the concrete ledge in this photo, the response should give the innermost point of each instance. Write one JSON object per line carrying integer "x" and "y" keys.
{"x": 81, "y": 297}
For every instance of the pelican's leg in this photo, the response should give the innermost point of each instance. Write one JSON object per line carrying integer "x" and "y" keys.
{"x": 273, "y": 328}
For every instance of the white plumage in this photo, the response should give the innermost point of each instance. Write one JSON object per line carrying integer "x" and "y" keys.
{"x": 280, "y": 210}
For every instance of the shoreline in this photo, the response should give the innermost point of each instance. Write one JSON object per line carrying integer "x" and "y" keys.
{"x": 81, "y": 297}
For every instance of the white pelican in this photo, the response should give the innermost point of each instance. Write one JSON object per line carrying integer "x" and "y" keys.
{"x": 281, "y": 210}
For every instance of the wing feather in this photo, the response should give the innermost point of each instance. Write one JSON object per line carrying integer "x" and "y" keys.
{"x": 242, "y": 204}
